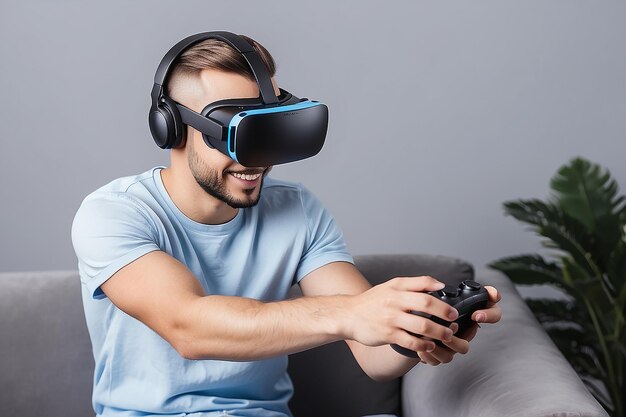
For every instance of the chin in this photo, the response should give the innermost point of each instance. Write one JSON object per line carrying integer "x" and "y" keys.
{"x": 246, "y": 200}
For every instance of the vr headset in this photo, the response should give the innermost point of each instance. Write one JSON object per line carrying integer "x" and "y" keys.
{"x": 255, "y": 132}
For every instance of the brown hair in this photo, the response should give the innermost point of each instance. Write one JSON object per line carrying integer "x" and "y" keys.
{"x": 215, "y": 54}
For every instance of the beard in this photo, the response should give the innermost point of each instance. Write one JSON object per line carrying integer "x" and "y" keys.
{"x": 213, "y": 184}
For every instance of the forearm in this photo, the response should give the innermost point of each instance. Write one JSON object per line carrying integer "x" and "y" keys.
{"x": 235, "y": 328}
{"x": 381, "y": 363}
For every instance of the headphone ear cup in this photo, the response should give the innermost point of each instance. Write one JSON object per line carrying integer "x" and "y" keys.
{"x": 165, "y": 124}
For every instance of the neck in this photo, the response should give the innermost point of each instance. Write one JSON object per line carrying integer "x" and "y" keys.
{"x": 192, "y": 200}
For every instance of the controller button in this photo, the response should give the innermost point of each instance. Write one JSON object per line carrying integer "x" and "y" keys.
{"x": 440, "y": 294}
{"x": 450, "y": 292}
{"x": 470, "y": 285}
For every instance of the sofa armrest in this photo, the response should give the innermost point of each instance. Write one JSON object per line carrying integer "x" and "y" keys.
{"x": 513, "y": 369}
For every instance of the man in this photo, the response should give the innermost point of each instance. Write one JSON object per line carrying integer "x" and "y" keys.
{"x": 185, "y": 272}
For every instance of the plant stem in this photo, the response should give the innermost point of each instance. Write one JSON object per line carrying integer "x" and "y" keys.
{"x": 615, "y": 397}
{"x": 619, "y": 366}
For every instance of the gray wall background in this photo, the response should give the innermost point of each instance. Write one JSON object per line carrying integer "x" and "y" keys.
{"x": 440, "y": 111}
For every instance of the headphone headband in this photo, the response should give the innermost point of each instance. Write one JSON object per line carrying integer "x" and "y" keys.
{"x": 251, "y": 56}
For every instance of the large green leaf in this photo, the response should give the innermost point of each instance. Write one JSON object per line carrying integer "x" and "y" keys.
{"x": 535, "y": 270}
{"x": 549, "y": 221}
{"x": 552, "y": 310}
{"x": 587, "y": 193}
{"x": 530, "y": 270}
{"x": 566, "y": 234}
{"x": 590, "y": 285}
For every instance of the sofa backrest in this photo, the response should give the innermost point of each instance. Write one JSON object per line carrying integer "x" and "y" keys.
{"x": 46, "y": 363}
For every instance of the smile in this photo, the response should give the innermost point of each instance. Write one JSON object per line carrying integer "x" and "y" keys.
{"x": 247, "y": 177}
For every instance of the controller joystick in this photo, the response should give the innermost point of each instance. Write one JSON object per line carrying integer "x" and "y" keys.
{"x": 468, "y": 297}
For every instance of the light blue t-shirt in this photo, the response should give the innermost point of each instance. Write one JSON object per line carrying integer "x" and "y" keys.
{"x": 258, "y": 254}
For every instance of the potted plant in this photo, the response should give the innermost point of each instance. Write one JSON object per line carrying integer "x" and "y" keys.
{"x": 583, "y": 224}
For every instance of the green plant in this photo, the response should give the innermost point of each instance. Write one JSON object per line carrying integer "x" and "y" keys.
{"x": 584, "y": 222}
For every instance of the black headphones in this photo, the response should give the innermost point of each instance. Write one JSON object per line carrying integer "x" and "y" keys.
{"x": 164, "y": 119}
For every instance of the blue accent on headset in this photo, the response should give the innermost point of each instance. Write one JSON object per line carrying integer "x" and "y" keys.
{"x": 234, "y": 122}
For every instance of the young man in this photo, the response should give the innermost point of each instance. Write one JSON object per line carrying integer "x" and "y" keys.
{"x": 185, "y": 272}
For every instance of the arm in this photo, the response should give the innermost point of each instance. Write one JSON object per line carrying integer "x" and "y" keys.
{"x": 162, "y": 293}
{"x": 382, "y": 362}
{"x": 378, "y": 362}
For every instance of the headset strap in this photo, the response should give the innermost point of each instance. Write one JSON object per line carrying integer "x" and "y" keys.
{"x": 201, "y": 123}
{"x": 253, "y": 59}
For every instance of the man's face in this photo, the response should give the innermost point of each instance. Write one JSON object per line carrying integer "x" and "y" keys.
{"x": 234, "y": 184}
{"x": 217, "y": 174}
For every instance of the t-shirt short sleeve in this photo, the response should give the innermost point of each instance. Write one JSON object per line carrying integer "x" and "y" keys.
{"x": 325, "y": 242}
{"x": 110, "y": 231}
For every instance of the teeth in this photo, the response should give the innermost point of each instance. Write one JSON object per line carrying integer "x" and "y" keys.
{"x": 247, "y": 177}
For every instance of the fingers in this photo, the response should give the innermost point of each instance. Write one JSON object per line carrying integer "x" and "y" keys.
{"x": 456, "y": 345}
{"x": 427, "y": 358}
{"x": 422, "y": 283}
{"x": 409, "y": 299}
{"x": 494, "y": 295}
{"x": 490, "y": 315}
{"x": 444, "y": 354}
{"x": 427, "y": 304}
{"x": 408, "y": 316}
{"x": 460, "y": 343}
{"x": 469, "y": 333}
{"x": 423, "y": 326}
{"x": 414, "y": 343}
{"x": 493, "y": 313}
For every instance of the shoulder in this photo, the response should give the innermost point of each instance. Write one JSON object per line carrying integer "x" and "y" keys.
{"x": 284, "y": 196}
{"x": 276, "y": 188}
{"x": 280, "y": 193}
{"x": 123, "y": 198}
{"x": 128, "y": 185}
{"x": 131, "y": 189}
{"x": 274, "y": 185}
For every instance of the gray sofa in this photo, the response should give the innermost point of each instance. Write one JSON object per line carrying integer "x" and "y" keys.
{"x": 512, "y": 369}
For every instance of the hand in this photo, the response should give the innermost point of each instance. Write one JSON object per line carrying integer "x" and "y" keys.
{"x": 381, "y": 315}
{"x": 460, "y": 344}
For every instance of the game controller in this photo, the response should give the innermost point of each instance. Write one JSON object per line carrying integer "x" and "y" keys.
{"x": 467, "y": 298}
